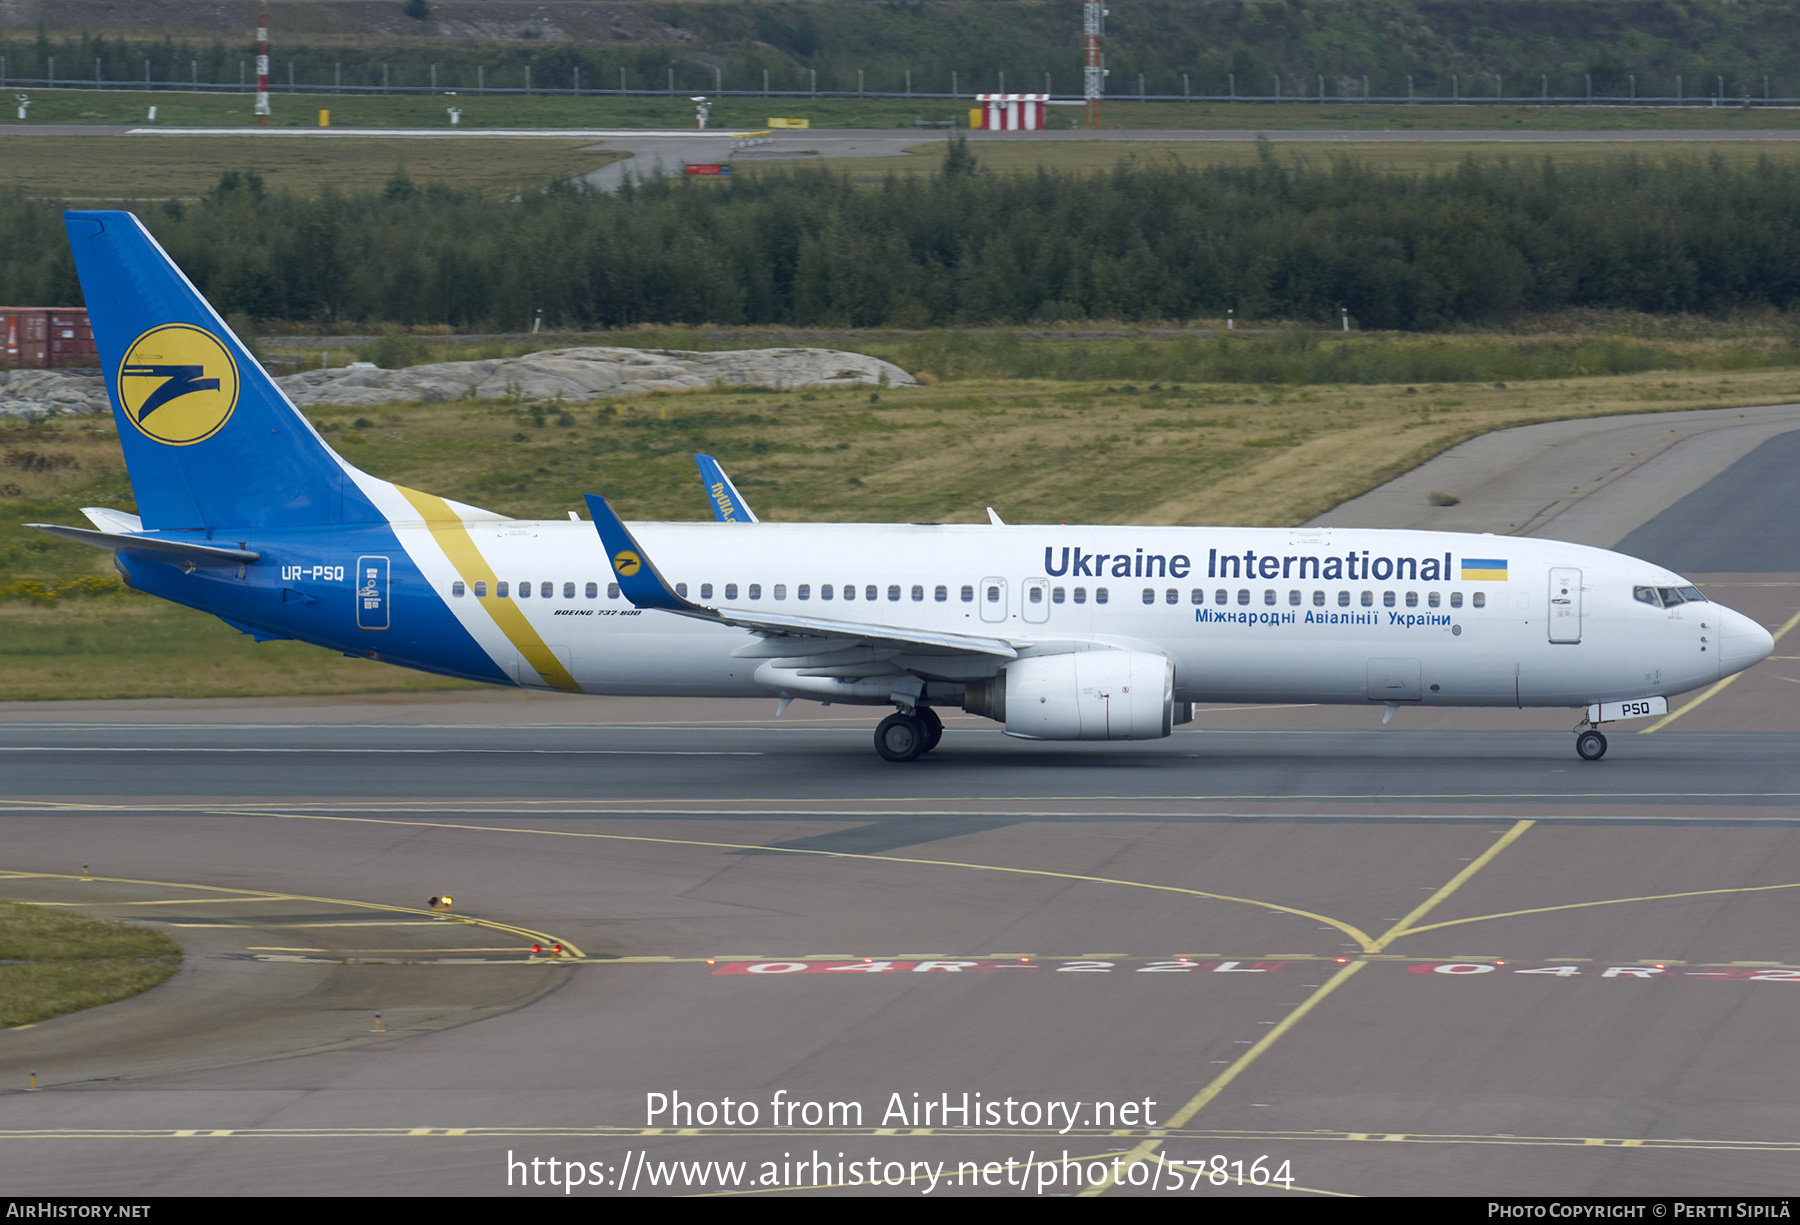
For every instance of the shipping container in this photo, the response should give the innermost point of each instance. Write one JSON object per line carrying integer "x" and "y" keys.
{"x": 47, "y": 336}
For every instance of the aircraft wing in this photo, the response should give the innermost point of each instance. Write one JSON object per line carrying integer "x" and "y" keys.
{"x": 728, "y": 505}
{"x": 643, "y": 584}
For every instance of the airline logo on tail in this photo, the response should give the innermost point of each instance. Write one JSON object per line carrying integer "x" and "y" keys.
{"x": 178, "y": 384}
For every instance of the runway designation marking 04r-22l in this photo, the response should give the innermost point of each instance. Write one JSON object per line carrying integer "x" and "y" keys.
{"x": 1639, "y": 972}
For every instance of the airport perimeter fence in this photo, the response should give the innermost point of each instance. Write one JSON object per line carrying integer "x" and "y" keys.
{"x": 1715, "y": 94}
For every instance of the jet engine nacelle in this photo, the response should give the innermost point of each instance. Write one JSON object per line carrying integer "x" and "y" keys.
{"x": 1084, "y": 695}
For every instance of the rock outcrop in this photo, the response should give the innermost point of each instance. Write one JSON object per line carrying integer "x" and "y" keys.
{"x": 569, "y": 375}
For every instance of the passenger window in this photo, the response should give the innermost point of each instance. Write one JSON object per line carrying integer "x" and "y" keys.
{"x": 940, "y": 593}
{"x": 500, "y": 591}
{"x": 1387, "y": 599}
{"x": 894, "y": 592}
{"x": 824, "y": 591}
{"x": 524, "y": 591}
{"x": 593, "y": 591}
{"x": 1171, "y": 596}
{"x": 1412, "y": 599}
{"x": 1149, "y": 595}
{"x": 1480, "y": 600}
{"x": 1268, "y": 595}
{"x": 1456, "y": 599}
{"x": 680, "y": 590}
{"x": 1221, "y": 596}
{"x": 1036, "y": 594}
{"x": 781, "y": 591}
{"x": 481, "y": 590}
{"x": 1318, "y": 599}
{"x": 1343, "y": 599}
{"x": 1056, "y": 595}
{"x": 1368, "y": 598}
{"x": 568, "y": 591}
{"x": 993, "y": 595}
{"x": 612, "y": 591}
{"x": 1099, "y": 595}
{"x": 968, "y": 594}
{"x": 872, "y": 592}
{"x": 731, "y": 591}
{"x": 706, "y": 591}
{"x": 1293, "y": 597}
{"x": 456, "y": 588}
{"x": 547, "y": 590}
{"x": 1243, "y": 595}
{"x": 756, "y": 591}
{"x": 1432, "y": 599}
{"x": 1081, "y": 595}
{"x": 803, "y": 591}
{"x": 1198, "y": 596}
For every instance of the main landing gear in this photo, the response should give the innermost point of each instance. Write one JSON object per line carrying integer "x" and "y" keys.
{"x": 904, "y": 736}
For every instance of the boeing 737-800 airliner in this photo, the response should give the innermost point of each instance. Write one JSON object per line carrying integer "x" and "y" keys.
{"x": 1058, "y": 632}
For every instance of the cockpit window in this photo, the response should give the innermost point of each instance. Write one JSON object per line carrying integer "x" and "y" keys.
{"x": 1667, "y": 597}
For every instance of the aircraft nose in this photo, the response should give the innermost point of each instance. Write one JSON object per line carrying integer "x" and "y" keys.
{"x": 1742, "y": 642}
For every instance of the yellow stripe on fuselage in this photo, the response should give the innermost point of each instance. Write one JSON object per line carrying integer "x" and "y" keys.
{"x": 1472, "y": 575}
{"x": 452, "y": 536}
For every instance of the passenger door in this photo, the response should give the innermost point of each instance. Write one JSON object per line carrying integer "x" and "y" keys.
{"x": 1565, "y": 604}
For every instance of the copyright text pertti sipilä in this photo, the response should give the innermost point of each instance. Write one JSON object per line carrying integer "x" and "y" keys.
{"x": 963, "y": 1109}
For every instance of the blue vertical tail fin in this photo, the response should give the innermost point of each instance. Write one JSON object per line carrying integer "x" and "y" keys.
{"x": 209, "y": 438}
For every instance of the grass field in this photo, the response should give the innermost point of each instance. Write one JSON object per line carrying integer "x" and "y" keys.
{"x": 1039, "y": 451}
{"x": 53, "y": 961}
{"x": 116, "y": 168}
{"x": 561, "y": 110}
{"x": 1408, "y": 157}
{"x": 160, "y": 167}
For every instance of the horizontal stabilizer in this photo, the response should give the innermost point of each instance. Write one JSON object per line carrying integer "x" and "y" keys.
{"x": 199, "y": 554}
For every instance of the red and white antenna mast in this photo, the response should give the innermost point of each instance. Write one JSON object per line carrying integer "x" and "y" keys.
{"x": 1093, "y": 74}
{"x": 262, "y": 67}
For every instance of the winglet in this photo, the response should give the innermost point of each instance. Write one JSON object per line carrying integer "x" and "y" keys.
{"x": 639, "y": 579}
{"x": 728, "y": 505}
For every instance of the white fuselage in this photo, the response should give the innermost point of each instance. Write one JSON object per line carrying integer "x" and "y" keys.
{"x": 1412, "y": 625}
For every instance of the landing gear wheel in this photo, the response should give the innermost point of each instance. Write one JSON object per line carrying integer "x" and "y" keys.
{"x": 1591, "y": 746}
{"x": 900, "y": 737}
{"x": 934, "y": 727}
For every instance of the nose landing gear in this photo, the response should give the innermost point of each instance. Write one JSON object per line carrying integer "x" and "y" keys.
{"x": 1590, "y": 745}
{"x": 905, "y": 736}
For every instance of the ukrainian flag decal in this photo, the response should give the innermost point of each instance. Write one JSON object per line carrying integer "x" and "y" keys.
{"x": 1490, "y": 568}
{"x": 178, "y": 384}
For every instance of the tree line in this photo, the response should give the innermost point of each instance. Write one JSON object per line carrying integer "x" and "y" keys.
{"x": 1146, "y": 241}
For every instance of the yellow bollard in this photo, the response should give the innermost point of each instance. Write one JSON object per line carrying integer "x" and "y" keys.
{"x": 378, "y": 1022}
{"x": 33, "y": 1082}
{"x": 324, "y": 119}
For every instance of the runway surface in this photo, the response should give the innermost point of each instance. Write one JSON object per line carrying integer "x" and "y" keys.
{"x": 1440, "y": 957}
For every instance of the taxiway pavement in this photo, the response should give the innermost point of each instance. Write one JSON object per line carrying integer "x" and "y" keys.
{"x": 1441, "y": 957}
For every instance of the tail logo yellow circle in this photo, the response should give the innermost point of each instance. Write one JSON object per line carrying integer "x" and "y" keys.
{"x": 626, "y": 563}
{"x": 178, "y": 384}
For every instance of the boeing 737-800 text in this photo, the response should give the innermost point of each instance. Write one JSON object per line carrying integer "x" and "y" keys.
{"x": 1058, "y": 632}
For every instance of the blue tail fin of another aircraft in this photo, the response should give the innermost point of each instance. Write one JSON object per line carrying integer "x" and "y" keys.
{"x": 208, "y": 437}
